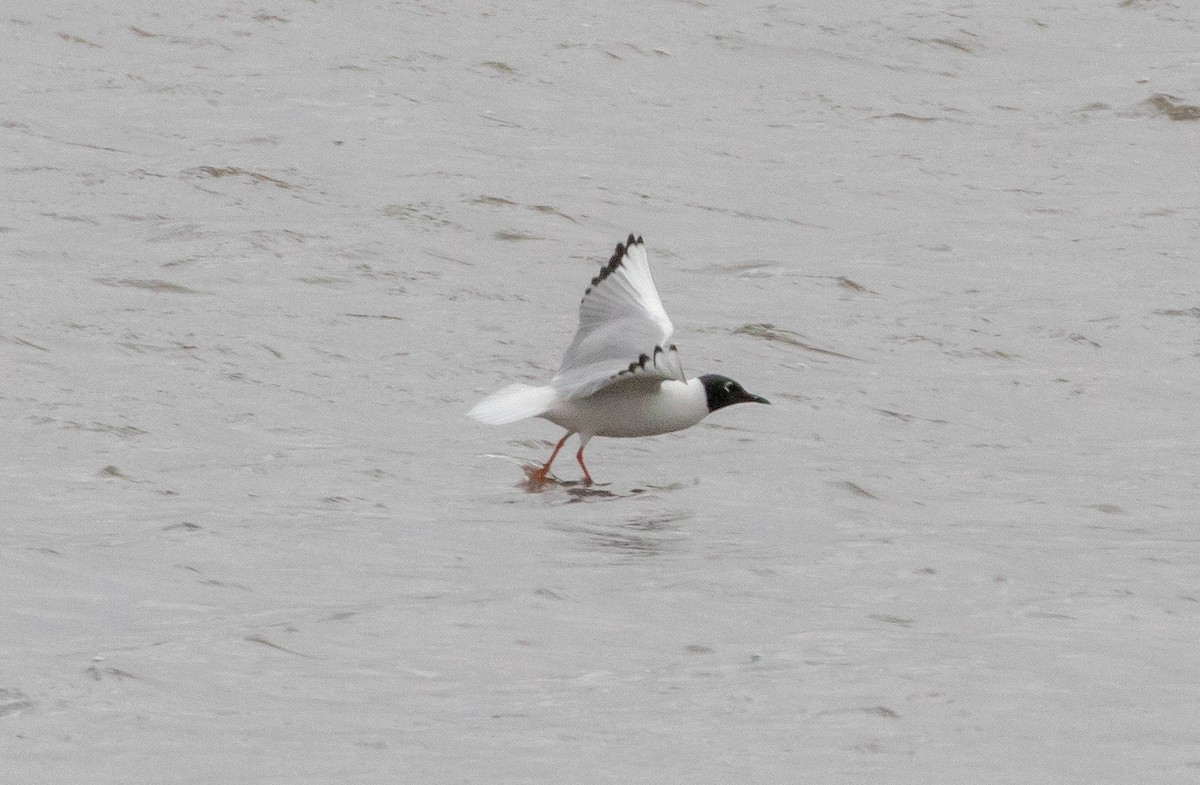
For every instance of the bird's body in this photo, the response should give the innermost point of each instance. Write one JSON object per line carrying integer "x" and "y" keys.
{"x": 619, "y": 377}
{"x": 629, "y": 409}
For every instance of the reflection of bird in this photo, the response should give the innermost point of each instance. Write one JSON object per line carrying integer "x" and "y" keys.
{"x": 598, "y": 391}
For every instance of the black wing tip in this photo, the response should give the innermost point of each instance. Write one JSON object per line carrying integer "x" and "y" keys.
{"x": 641, "y": 362}
{"x": 644, "y": 360}
{"x": 614, "y": 261}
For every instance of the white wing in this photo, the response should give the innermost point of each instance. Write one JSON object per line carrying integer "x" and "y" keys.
{"x": 623, "y": 329}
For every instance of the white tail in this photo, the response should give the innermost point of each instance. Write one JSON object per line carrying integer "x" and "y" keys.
{"x": 514, "y": 402}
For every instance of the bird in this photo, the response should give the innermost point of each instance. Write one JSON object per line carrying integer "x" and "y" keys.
{"x": 620, "y": 376}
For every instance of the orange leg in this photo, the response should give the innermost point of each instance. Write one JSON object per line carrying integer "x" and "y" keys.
{"x": 539, "y": 475}
{"x": 587, "y": 478}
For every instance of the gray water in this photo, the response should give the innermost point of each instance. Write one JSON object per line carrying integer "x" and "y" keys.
{"x": 258, "y": 261}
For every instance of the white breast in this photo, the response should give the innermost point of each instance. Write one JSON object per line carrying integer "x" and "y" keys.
{"x": 638, "y": 409}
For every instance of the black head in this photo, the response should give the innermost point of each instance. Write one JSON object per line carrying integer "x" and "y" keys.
{"x": 723, "y": 391}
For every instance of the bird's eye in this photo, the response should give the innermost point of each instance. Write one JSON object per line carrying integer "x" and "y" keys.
{"x": 729, "y": 386}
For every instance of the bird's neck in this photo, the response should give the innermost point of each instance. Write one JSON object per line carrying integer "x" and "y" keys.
{"x": 696, "y": 397}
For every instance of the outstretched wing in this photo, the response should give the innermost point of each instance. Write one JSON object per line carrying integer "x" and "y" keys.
{"x": 623, "y": 329}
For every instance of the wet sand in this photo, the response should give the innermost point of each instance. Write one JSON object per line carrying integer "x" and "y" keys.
{"x": 259, "y": 262}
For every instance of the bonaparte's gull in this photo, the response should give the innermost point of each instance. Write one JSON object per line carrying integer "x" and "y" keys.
{"x": 598, "y": 391}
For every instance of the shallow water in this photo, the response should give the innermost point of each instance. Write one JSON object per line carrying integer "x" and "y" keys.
{"x": 259, "y": 261}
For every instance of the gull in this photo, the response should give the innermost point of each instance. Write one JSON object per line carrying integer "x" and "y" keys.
{"x": 620, "y": 377}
